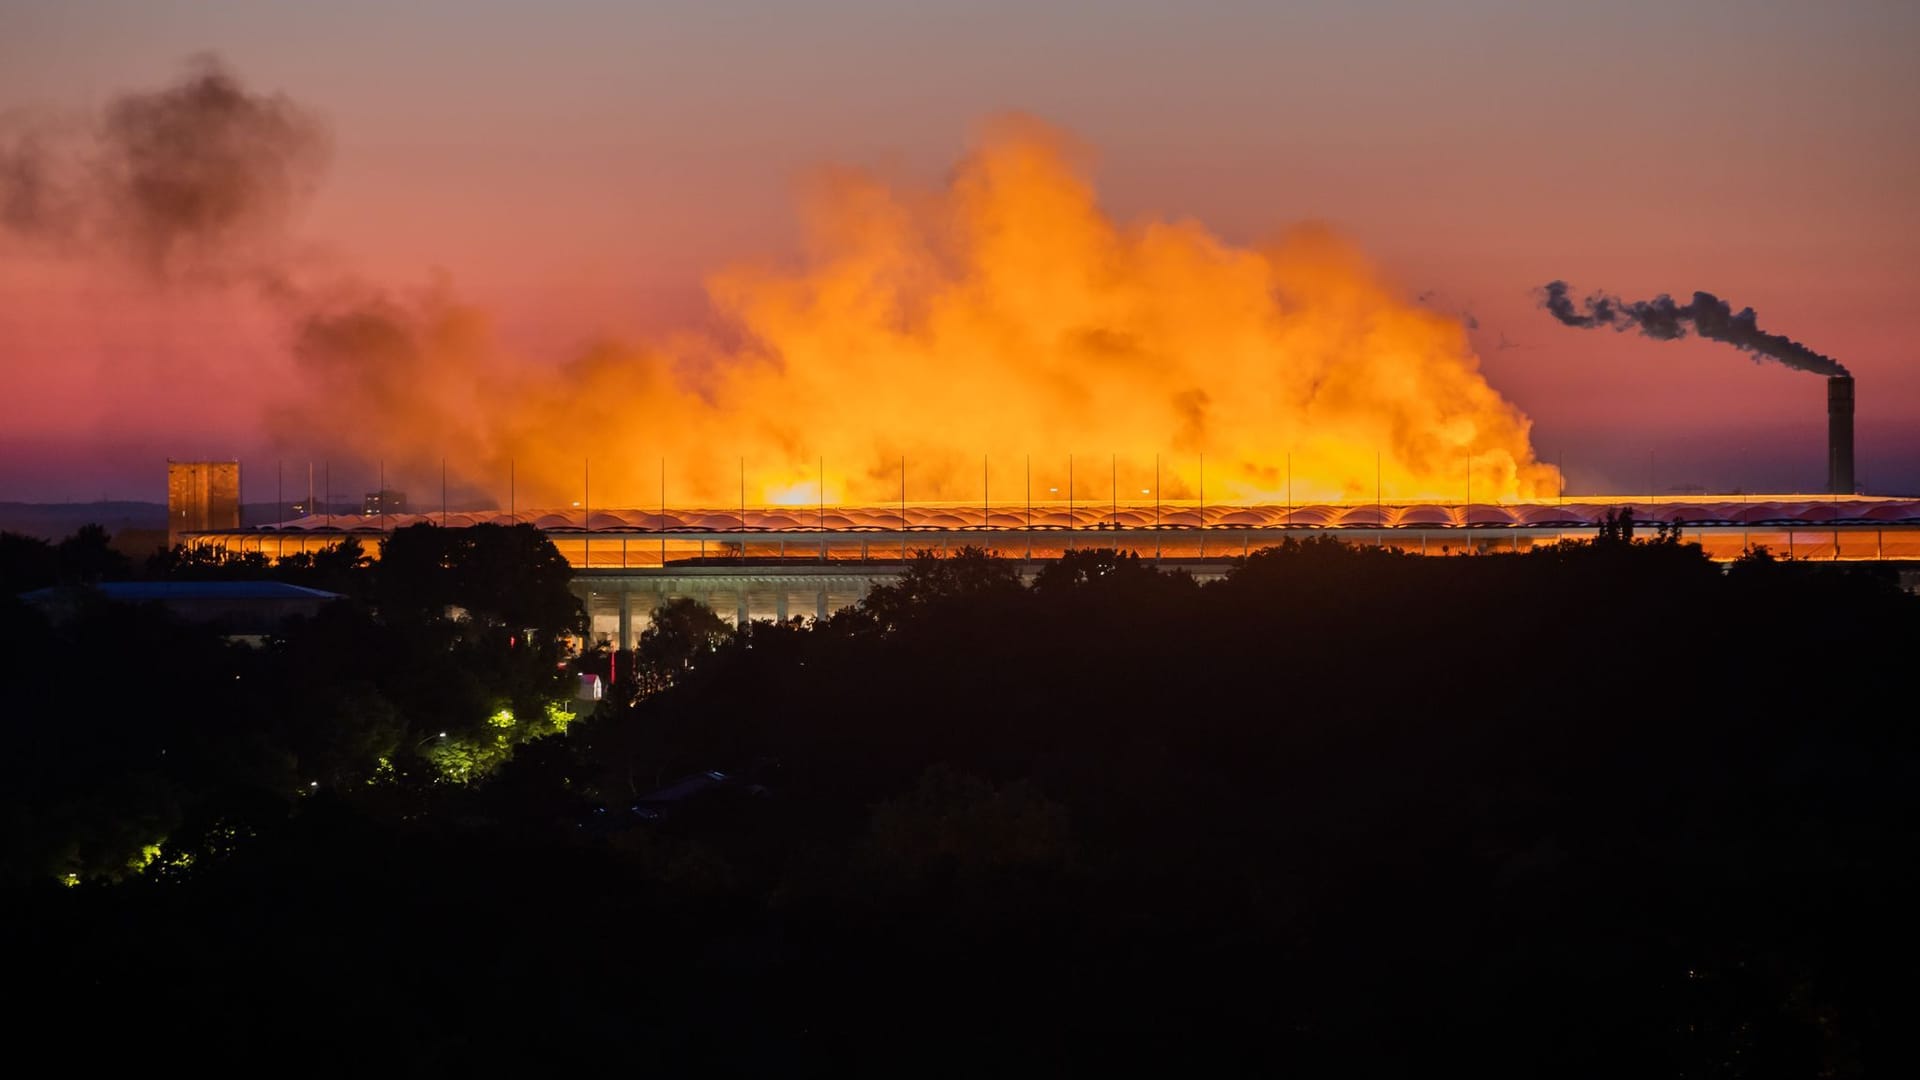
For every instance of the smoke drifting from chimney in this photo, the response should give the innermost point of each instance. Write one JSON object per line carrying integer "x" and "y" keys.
{"x": 1707, "y": 316}
{"x": 193, "y": 180}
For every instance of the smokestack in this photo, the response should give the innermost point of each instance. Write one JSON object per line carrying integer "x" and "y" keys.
{"x": 1840, "y": 435}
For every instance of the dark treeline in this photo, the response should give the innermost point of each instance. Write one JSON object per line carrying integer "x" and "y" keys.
{"x": 135, "y": 738}
{"x": 1599, "y": 809}
{"x": 88, "y": 557}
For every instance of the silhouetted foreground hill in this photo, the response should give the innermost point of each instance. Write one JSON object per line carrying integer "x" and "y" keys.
{"x": 1599, "y": 810}
{"x": 50, "y": 521}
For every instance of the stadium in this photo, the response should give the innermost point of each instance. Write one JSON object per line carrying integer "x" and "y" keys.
{"x": 775, "y": 562}
{"x": 781, "y": 562}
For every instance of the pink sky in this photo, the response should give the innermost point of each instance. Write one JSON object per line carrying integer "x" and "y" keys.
{"x": 579, "y": 167}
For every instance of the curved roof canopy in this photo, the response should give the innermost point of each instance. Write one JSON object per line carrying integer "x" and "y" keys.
{"x": 1771, "y": 511}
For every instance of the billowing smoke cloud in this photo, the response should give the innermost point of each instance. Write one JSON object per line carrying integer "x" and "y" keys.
{"x": 1708, "y": 316}
{"x": 1001, "y": 316}
{"x": 196, "y": 180}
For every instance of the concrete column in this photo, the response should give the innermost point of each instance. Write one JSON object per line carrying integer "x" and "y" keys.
{"x": 740, "y": 618}
{"x": 820, "y": 603}
{"x": 626, "y": 619}
{"x": 780, "y": 604}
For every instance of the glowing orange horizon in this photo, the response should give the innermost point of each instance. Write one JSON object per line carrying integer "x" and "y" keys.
{"x": 1854, "y": 528}
{"x": 1579, "y": 512}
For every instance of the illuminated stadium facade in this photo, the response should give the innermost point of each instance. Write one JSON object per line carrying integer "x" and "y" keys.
{"x": 781, "y": 562}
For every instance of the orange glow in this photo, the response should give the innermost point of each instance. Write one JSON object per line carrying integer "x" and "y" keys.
{"x": 801, "y": 494}
{"x": 999, "y": 332}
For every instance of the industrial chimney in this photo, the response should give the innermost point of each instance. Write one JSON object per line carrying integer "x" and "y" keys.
{"x": 1840, "y": 435}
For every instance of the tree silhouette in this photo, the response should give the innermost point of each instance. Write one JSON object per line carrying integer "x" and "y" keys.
{"x": 680, "y": 632}
{"x": 88, "y": 556}
{"x": 970, "y": 575}
{"x": 26, "y": 562}
{"x": 1436, "y": 805}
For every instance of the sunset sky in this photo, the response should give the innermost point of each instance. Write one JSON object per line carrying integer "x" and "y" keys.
{"x": 579, "y": 169}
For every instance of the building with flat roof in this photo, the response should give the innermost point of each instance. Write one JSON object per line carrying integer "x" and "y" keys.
{"x": 385, "y": 501}
{"x": 202, "y": 496}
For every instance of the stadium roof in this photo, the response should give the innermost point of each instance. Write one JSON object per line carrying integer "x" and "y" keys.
{"x": 1785, "y": 511}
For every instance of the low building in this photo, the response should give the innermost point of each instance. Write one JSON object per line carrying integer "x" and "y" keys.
{"x": 384, "y": 501}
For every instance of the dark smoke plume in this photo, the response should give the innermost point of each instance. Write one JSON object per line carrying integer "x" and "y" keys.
{"x": 1708, "y": 316}
{"x": 191, "y": 180}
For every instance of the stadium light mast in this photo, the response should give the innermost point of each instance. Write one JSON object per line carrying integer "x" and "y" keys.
{"x": 1746, "y": 510}
{"x": 1159, "y": 542}
{"x": 1203, "y": 506}
{"x": 1560, "y": 498}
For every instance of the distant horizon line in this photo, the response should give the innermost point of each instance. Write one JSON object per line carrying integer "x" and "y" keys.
{"x": 1671, "y": 495}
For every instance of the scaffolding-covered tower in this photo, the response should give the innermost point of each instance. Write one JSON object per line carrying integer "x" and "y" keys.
{"x": 202, "y": 496}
